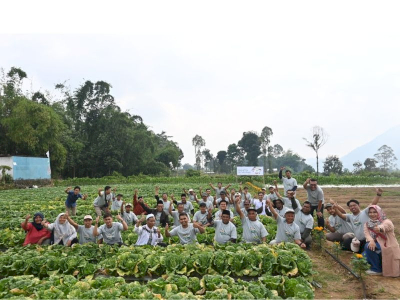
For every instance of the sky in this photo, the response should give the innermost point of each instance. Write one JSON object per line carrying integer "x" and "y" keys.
{"x": 221, "y": 68}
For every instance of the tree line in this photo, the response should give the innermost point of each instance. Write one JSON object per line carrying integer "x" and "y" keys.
{"x": 85, "y": 132}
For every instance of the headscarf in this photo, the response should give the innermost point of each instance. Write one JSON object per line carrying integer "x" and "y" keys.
{"x": 62, "y": 231}
{"x": 372, "y": 223}
{"x": 36, "y": 225}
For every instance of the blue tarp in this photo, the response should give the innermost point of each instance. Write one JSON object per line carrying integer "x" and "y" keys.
{"x": 31, "y": 168}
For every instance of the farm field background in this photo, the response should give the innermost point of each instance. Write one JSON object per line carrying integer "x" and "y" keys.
{"x": 50, "y": 200}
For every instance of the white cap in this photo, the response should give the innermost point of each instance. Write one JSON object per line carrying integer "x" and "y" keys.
{"x": 237, "y": 194}
{"x": 149, "y": 216}
{"x": 289, "y": 210}
{"x": 190, "y": 190}
{"x": 88, "y": 217}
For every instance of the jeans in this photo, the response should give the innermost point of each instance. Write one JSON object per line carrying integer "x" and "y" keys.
{"x": 374, "y": 258}
{"x": 320, "y": 220}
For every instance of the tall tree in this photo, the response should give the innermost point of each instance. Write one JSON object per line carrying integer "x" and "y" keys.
{"x": 333, "y": 165}
{"x": 250, "y": 143}
{"x": 370, "y": 164}
{"x": 319, "y": 138}
{"x": 357, "y": 167}
{"x": 221, "y": 157}
{"x": 265, "y": 138}
{"x": 208, "y": 157}
{"x": 235, "y": 156}
{"x": 198, "y": 142}
{"x": 386, "y": 157}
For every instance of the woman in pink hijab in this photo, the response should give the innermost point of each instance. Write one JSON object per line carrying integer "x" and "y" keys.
{"x": 382, "y": 249}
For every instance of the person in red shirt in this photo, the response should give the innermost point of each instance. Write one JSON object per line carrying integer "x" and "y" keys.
{"x": 36, "y": 233}
{"x": 137, "y": 208}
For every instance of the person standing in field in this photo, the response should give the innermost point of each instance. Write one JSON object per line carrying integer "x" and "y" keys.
{"x": 186, "y": 231}
{"x": 34, "y": 230}
{"x": 73, "y": 196}
{"x": 158, "y": 212}
{"x": 191, "y": 194}
{"x": 85, "y": 231}
{"x": 148, "y": 234}
{"x": 187, "y": 206}
{"x": 103, "y": 200}
{"x": 289, "y": 183}
{"x": 164, "y": 199}
{"x": 219, "y": 188}
{"x": 110, "y": 231}
{"x": 316, "y": 198}
{"x": 116, "y": 202}
{"x": 245, "y": 194}
{"x": 204, "y": 199}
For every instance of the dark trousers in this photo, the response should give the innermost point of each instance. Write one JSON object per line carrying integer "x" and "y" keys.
{"x": 347, "y": 244}
{"x": 320, "y": 220}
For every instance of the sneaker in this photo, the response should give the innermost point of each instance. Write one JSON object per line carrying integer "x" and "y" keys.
{"x": 370, "y": 272}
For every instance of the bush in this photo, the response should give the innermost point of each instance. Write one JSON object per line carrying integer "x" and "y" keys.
{"x": 192, "y": 173}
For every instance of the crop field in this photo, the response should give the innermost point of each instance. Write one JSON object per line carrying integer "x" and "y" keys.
{"x": 203, "y": 271}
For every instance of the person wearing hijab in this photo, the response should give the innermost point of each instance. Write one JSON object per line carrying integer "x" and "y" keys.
{"x": 34, "y": 230}
{"x": 382, "y": 249}
{"x": 148, "y": 234}
{"x": 64, "y": 232}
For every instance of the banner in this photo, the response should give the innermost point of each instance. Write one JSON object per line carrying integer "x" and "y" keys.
{"x": 250, "y": 171}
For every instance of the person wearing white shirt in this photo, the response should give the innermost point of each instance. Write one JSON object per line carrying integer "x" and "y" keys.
{"x": 186, "y": 232}
{"x": 289, "y": 183}
{"x": 148, "y": 234}
{"x": 222, "y": 206}
{"x": 279, "y": 207}
{"x": 116, "y": 203}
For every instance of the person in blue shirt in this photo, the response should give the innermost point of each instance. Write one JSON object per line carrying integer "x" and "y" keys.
{"x": 73, "y": 195}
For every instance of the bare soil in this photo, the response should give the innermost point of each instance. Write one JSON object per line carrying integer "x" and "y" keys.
{"x": 337, "y": 283}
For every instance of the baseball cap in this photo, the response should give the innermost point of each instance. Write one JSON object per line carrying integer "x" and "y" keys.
{"x": 190, "y": 190}
{"x": 289, "y": 210}
{"x": 328, "y": 205}
{"x": 252, "y": 208}
{"x": 263, "y": 188}
{"x": 128, "y": 204}
{"x": 119, "y": 195}
{"x": 149, "y": 216}
{"x": 237, "y": 194}
{"x": 88, "y": 217}
{"x": 204, "y": 194}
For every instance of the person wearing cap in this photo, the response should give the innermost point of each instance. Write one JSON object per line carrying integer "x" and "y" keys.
{"x": 219, "y": 188}
{"x": 223, "y": 205}
{"x": 34, "y": 230}
{"x": 223, "y": 197}
{"x": 73, "y": 196}
{"x": 128, "y": 216}
{"x": 289, "y": 183}
{"x": 305, "y": 221}
{"x": 204, "y": 215}
{"x": 279, "y": 207}
{"x": 260, "y": 205}
{"x": 253, "y": 230}
{"x": 336, "y": 225}
{"x": 116, "y": 203}
{"x": 185, "y": 231}
{"x": 191, "y": 194}
{"x": 209, "y": 197}
{"x": 357, "y": 219}
{"x": 225, "y": 231}
{"x": 110, "y": 231}
{"x": 164, "y": 198}
{"x": 175, "y": 214}
{"x": 148, "y": 234}
{"x": 137, "y": 207}
{"x": 287, "y": 231}
{"x": 85, "y": 231}
{"x": 204, "y": 199}
{"x": 315, "y": 196}
{"x": 187, "y": 206}
{"x": 271, "y": 195}
{"x": 158, "y": 212}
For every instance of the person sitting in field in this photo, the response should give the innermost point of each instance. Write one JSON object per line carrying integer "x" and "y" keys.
{"x": 289, "y": 183}
{"x": 382, "y": 249}
{"x": 187, "y": 205}
{"x": 158, "y": 212}
{"x": 253, "y": 230}
{"x": 225, "y": 231}
{"x": 73, "y": 196}
{"x": 305, "y": 222}
{"x": 287, "y": 201}
{"x": 280, "y": 207}
{"x": 34, "y": 230}
{"x": 260, "y": 205}
{"x": 205, "y": 199}
{"x": 245, "y": 195}
{"x": 203, "y": 216}
{"x": 288, "y": 231}
{"x": 223, "y": 205}
{"x": 357, "y": 219}
{"x": 164, "y": 198}
{"x": 336, "y": 225}
{"x": 219, "y": 188}
{"x": 191, "y": 194}
{"x": 128, "y": 216}
{"x": 102, "y": 202}
{"x": 175, "y": 214}
{"x": 63, "y": 232}
{"x": 117, "y": 203}
{"x": 85, "y": 231}
{"x": 186, "y": 231}
{"x": 110, "y": 231}
{"x": 148, "y": 234}
{"x": 271, "y": 196}
{"x": 223, "y": 197}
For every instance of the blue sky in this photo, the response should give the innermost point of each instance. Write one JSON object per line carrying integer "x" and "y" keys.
{"x": 218, "y": 69}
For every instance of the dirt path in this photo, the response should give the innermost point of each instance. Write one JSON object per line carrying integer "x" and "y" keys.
{"x": 338, "y": 283}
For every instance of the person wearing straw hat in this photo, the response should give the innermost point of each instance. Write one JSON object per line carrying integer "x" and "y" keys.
{"x": 85, "y": 231}
{"x": 148, "y": 234}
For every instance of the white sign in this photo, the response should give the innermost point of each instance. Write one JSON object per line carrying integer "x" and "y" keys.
{"x": 250, "y": 171}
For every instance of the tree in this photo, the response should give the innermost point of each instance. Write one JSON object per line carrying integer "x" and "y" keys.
{"x": 333, "y": 165}
{"x": 265, "y": 138}
{"x": 277, "y": 150}
{"x": 198, "y": 142}
{"x": 370, "y": 164}
{"x": 235, "y": 156}
{"x": 221, "y": 156}
{"x": 319, "y": 138}
{"x": 250, "y": 143}
{"x": 293, "y": 161}
{"x": 386, "y": 157}
{"x": 207, "y": 159}
{"x": 3, "y": 169}
{"x": 357, "y": 167}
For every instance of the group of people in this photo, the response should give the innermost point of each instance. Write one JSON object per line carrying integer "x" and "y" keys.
{"x": 365, "y": 231}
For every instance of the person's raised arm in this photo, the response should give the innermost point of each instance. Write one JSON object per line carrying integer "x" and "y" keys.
{"x": 272, "y": 209}
{"x": 171, "y": 204}
{"x": 156, "y": 193}
{"x": 195, "y": 197}
{"x": 277, "y": 193}
{"x": 167, "y": 234}
{"x": 68, "y": 189}
{"x": 148, "y": 210}
{"x": 342, "y": 210}
{"x": 124, "y": 225}
{"x": 99, "y": 191}
{"x": 280, "y": 173}
{"x": 228, "y": 186}
{"x": 240, "y": 187}
{"x": 96, "y": 225}
{"x": 237, "y": 206}
{"x": 185, "y": 191}
{"x": 305, "y": 184}
{"x": 72, "y": 222}
{"x": 122, "y": 208}
{"x": 199, "y": 227}
{"x": 379, "y": 192}
{"x": 339, "y": 213}
{"x": 134, "y": 197}
{"x": 139, "y": 221}
{"x": 213, "y": 187}
{"x": 25, "y": 223}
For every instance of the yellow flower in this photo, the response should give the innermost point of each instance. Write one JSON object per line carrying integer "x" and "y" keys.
{"x": 337, "y": 243}
{"x": 359, "y": 256}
